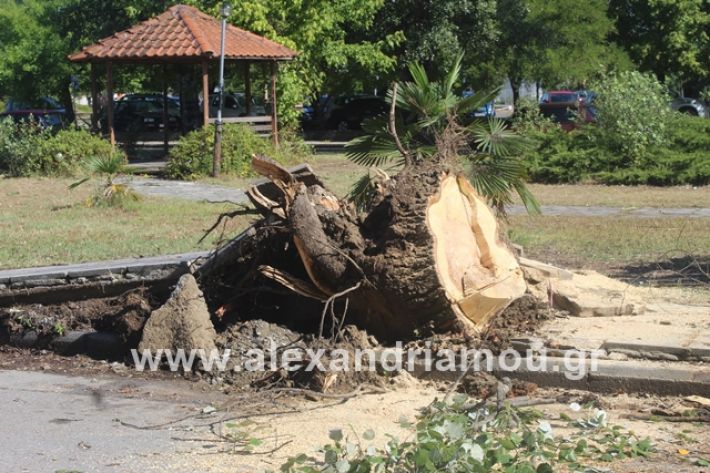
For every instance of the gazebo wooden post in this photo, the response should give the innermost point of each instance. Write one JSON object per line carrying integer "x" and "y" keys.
{"x": 274, "y": 116}
{"x": 166, "y": 121}
{"x": 109, "y": 102}
{"x": 181, "y": 93}
{"x": 205, "y": 94}
{"x": 247, "y": 86}
{"x": 94, "y": 100}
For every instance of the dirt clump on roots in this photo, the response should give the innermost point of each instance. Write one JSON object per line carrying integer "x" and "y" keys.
{"x": 522, "y": 317}
{"x": 266, "y": 355}
{"x": 426, "y": 257}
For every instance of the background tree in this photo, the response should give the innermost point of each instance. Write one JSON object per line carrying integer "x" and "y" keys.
{"x": 517, "y": 46}
{"x": 436, "y": 32}
{"x": 336, "y": 51}
{"x": 573, "y": 42}
{"x": 31, "y": 52}
{"x": 666, "y": 37}
{"x": 331, "y": 37}
{"x": 563, "y": 42}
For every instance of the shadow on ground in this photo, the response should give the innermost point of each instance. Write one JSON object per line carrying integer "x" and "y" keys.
{"x": 678, "y": 271}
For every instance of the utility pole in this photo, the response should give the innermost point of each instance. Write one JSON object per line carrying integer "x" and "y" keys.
{"x": 217, "y": 161}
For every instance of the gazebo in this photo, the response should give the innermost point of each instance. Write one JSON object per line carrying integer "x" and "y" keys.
{"x": 183, "y": 35}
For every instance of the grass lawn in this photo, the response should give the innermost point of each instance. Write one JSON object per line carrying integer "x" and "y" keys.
{"x": 621, "y": 196}
{"x": 43, "y": 223}
{"x": 609, "y": 242}
{"x": 337, "y": 173}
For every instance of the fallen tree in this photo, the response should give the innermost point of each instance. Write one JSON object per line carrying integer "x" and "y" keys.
{"x": 427, "y": 257}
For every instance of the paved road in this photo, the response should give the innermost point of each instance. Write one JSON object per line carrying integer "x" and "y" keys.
{"x": 215, "y": 193}
{"x": 187, "y": 190}
{"x": 52, "y": 422}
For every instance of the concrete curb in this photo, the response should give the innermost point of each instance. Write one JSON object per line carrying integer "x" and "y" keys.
{"x": 610, "y": 376}
{"x": 56, "y": 284}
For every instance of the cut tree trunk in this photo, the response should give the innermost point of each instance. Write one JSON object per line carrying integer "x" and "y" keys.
{"x": 427, "y": 257}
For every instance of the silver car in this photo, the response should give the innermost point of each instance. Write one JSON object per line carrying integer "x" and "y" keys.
{"x": 690, "y": 106}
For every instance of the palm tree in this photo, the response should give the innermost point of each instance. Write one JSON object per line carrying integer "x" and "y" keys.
{"x": 429, "y": 122}
{"x": 110, "y": 192}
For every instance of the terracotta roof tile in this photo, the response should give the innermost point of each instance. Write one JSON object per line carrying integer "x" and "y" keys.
{"x": 181, "y": 33}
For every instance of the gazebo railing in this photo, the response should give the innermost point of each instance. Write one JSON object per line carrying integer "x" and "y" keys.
{"x": 262, "y": 124}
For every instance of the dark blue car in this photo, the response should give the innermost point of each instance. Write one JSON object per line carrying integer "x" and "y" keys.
{"x": 47, "y": 112}
{"x": 486, "y": 111}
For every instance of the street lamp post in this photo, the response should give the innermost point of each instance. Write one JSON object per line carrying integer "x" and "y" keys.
{"x": 217, "y": 161}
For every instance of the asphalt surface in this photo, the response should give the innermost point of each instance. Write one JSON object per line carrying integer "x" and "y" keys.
{"x": 51, "y": 423}
{"x": 187, "y": 190}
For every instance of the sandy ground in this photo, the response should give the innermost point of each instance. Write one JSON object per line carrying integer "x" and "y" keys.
{"x": 674, "y": 317}
{"x": 118, "y": 423}
{"x": 75, "y": 414}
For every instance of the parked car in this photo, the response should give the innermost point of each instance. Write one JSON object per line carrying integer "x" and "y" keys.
{"x": 690, "y": 106}
{"x": 235, "y": 105}
{"x": 348, "y": 113}
{"x": 563, "y": 106}
{"x": 46, "y": 111}
{"x": 486, "y": 111}
{"x": 314, "y": 113}
{"x": 143, "y": 112}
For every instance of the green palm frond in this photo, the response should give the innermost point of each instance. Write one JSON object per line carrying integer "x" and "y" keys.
{"x": 112, "y": 164}
{"x": 496, "y": 177}
{"x": 430, "y": 108}
{"x": 494, "y": 137}
{"x": 476, "y": 101}
{"x": 529, "y": 201}
{"x": 361, "y": 192}
{"x": 453, "y": 76}
{"x": 371, "y": 150}
{"x": 367, "y": 186}
{"x": 419, "y": 76}
{"x": 377, "y": 146}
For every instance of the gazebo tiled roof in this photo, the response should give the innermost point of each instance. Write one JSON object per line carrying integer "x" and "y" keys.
{"x": 182, "y": 33}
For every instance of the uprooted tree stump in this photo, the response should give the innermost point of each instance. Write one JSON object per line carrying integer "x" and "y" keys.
{"x": 427, "y": 257}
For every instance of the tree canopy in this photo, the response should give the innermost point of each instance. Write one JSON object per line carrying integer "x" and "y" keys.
{"x": 666, "y": 37}
{"x": 351, "y": 46}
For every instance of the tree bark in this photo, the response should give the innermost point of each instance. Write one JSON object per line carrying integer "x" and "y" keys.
{"x": 67, "y": 102}
{"x": 515, "y": 85}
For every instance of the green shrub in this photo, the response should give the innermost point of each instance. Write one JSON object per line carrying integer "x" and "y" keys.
{"x": 70, "y": 149}
{"x": 193, "y": 154}
{"x": 21, "y": 148}
{"x": 670, "y": 168}
{"x": 690, "y": 134}
{"x": 632, "y": 112}
{"x": 27, "y": 150}
{"x": 528, "y": 118}
{"x": 559, "y": 157}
